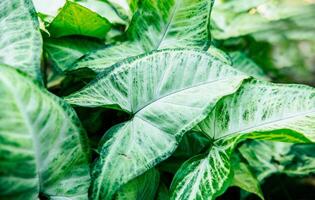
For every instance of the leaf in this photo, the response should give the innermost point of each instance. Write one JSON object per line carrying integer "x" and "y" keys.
{"x": 203, "y": 176}
{"x": 43, "y": 149}
{"x": 162, "y": 193}
{"x": 142, "y": 187}
{"x": 164, "y": 99}
{"x": 63, "y": 52}
{"x": 244, "y": 178}
{"x": 158, "y": 25}
{"x": 106, "y": 10}
{"x": 74, "y": 19}
{"x": 289, "y": 159}
{"x": 239, "y": 18}
{"x": 259, "y": 110}
{"x": 21, "y": 41}
{"x": 243, "y": 63}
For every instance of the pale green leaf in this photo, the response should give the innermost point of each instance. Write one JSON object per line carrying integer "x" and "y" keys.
{"x": 259, "y": 110}
{"x": 42, "y": 146}
{"x": 203, "y": 176}
{"x": 143, "y": 187}
{"x": 244, "y": 178}
{"x": 238, "y": 18}
{"x": 243, "y": 63}
{"x": 20, "y": 38}
{"x": 63, "y": 52}
{"x": 165, "y": 100}
{"x": 157, "y": 25}
{"x": 74, "y": 19}
{"x": 267, "y": 158}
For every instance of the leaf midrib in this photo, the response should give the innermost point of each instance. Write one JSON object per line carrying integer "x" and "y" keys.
{"x": 168, "y": 24}
{"x": 178, "y": 91}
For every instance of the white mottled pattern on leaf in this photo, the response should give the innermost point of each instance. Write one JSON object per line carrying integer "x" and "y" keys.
{"x": 20, "y": 38}
{"x": 165, "y": 100}
{"x": 258, "y": 110}
{"x": 42, "y": 147}
{"x": 202, "y": 177}
{"x": 158, "y": 24}
{"x": 273, "y": 111}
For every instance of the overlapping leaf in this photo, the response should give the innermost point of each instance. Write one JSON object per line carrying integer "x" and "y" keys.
{"x": 20, "y": 38}
{"x": 268, "y": 158}
{"x": 63, "y": 52}
{"x": 158, "y": 25}
{"x": 165, "y": 100}
{"x": 143, "y": 187}
{"x": 258, "y": 110}
{"x": 74, "y": 19}
{"x": 42, "y": 147}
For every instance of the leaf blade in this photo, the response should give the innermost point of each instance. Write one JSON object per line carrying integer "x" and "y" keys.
{"x": 28, "y": 116}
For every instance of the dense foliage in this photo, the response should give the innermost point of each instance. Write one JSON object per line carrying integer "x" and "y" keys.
{"x": 157, "y": 99}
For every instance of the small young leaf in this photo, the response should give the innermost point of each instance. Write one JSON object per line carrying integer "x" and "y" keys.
{"x": 42, "y": 146}
{"x": 20, "y": 38}
{"x": 74, "y": 19}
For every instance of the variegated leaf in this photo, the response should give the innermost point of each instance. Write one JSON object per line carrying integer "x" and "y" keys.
{"x": 164, "y": 98}
{"x": 158, "y": 24}
{"x": 42, "y": 146}
{"x": 259, "y": 110}
{"x": 20, "y": 38}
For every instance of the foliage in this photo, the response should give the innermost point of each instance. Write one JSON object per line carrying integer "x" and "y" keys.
{"x": 156, "y": 99}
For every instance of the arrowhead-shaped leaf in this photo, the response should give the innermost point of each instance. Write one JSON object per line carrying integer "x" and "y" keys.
{"x": 164, "y": 98}
{"x": 158, "y": 24}
{"x": 259, "y": 110}
{"x": 20, "y": 38}
{"x": 42, "y": 146}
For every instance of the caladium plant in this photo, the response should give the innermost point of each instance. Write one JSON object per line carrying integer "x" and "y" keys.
{"x": 167, "y": 114}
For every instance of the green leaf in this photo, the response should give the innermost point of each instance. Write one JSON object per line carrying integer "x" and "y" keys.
{"x": 42, "y": 146}
{"x": 267, "y": 158}
{"x": 157, "y": 25}
{"x": 74, "y": 19}
{"x": 143, "y": 187}
{"x": 203, "y": 176}
{"x": 162, "y": 193}
{"x": 20, "y": 41}
{"x": 259, "y": 110}
{"x": 238, "y": 18}
{"x": 165, "y": 100}
{"x": 63, "y": 52}
{"x": 243, "y": 63}
{"x": 107, "y": 10}
{"x": 244, "y": 177}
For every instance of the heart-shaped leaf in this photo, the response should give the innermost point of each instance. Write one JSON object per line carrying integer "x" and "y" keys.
{"x": 164, "y": 98}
